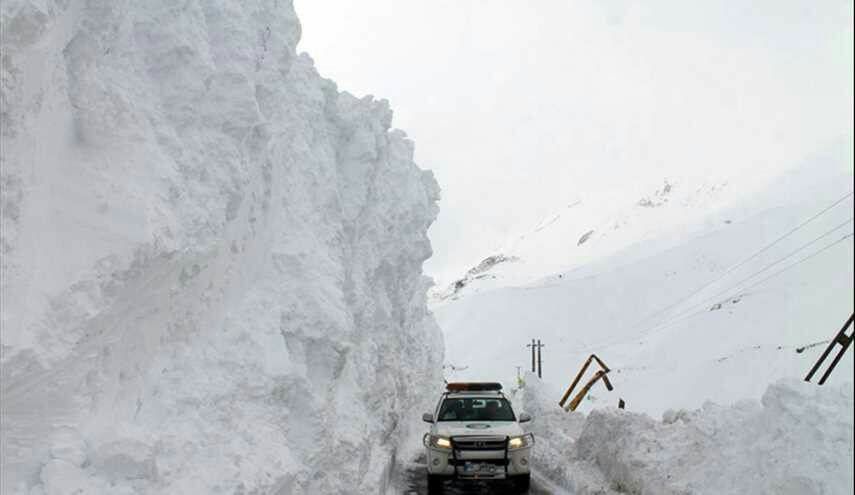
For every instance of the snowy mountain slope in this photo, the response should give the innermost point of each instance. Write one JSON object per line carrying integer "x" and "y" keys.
{"x": 672, "y": 317}
{"x": 208, "y": 251}
{"x": 591, "y": 226}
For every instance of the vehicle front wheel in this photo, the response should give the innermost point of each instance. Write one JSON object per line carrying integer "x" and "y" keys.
{"x": 435, "y": 484}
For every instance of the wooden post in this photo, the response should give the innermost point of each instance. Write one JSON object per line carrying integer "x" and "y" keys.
{"x": 532, "y": 355}
{"x": 575, "y": 381}
{"x": 582, "y": 393}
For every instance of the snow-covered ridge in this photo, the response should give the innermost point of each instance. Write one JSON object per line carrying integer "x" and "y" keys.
{"x": 592, "y": 226}
{"x": 208, "y": 253}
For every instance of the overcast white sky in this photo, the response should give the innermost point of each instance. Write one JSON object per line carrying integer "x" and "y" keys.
{"x": 518, "y": 106}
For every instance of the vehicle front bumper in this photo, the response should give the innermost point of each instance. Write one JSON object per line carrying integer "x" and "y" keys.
{"x": 442, "y": 462}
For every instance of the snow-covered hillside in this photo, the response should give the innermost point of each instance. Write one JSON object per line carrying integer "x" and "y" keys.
{"x": 682, "y": 302}
{"x": 590, "y": 226}
{"x": 211, "y": 276}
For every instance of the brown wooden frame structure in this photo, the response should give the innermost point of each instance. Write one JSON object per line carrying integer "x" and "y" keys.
{"x": 600, "y": 374}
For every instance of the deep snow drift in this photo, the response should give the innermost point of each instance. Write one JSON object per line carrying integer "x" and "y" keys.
{"x": 211, "y": 257}
{"x": 797, "y": 439}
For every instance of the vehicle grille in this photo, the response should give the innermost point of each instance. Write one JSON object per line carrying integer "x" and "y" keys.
{"x": 463, "y": 462}
{"x": 479, "y": 443}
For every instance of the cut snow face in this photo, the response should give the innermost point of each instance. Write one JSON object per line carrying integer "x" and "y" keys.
{"x": 208, "y": 252}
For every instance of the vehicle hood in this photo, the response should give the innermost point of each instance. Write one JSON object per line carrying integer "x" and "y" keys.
{"x": 459, "y": 428}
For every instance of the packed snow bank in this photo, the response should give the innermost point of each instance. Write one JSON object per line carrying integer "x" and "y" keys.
{"x": 211, "y": 275}
{"x": 797, "y": 440}
{"x": 555, "y": 456}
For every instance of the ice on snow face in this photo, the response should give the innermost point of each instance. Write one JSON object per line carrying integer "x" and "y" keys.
{"x": 211, "y": 257}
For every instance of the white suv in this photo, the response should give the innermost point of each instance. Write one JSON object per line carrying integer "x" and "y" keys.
{"x": 475, "y": 435}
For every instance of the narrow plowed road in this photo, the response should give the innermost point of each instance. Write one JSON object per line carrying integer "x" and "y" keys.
{"x": 416, "y": 484}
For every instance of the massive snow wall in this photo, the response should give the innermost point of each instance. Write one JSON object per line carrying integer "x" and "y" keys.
{"x": 211, "y": 276}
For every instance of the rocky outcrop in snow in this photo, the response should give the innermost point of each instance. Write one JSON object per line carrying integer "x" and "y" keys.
{"x": 211, "y": 274}
{"x": 477, "y": 272}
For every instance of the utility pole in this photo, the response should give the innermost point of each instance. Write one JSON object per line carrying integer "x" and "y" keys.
{"x": 532, "y": 346}
{"x": 536, "y": 361}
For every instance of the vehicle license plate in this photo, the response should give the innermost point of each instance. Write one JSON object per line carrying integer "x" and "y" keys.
{"x": 477, "y": 467}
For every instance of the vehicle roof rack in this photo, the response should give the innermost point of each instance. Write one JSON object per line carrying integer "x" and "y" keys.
{"x": 473, "y": 386}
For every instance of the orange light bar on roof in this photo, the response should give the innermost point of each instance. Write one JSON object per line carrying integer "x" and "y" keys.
{"x": 473, "y": 386}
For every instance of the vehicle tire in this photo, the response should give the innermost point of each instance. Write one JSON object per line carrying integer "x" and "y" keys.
{"x": 435, "y": 484}
{"x": 522, "y": 483}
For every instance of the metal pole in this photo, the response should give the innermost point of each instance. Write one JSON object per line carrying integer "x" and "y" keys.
{"x": 842, "y": 339}
{"x": 539, "y": 361}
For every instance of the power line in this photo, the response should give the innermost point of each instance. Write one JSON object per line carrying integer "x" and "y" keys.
{"x": 755, "y": 284}
{"x": 746, "y": 260}
{"x": 684, "y": 316}
{"x": 770, "y": 265}
{"x": 680, "y": 316}
{"x": 794, "y": 229}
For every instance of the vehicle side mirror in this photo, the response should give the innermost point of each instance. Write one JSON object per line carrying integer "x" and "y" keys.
{"x": 525, "y": 417}
{"x": 427, "y": 417}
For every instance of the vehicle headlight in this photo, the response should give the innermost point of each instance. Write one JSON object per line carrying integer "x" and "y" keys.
{"x": 521, "y": 441}
{"x": 437, "y": 442}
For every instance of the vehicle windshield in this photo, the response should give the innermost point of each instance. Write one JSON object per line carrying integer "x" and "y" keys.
{"x": 476, "y": 409}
